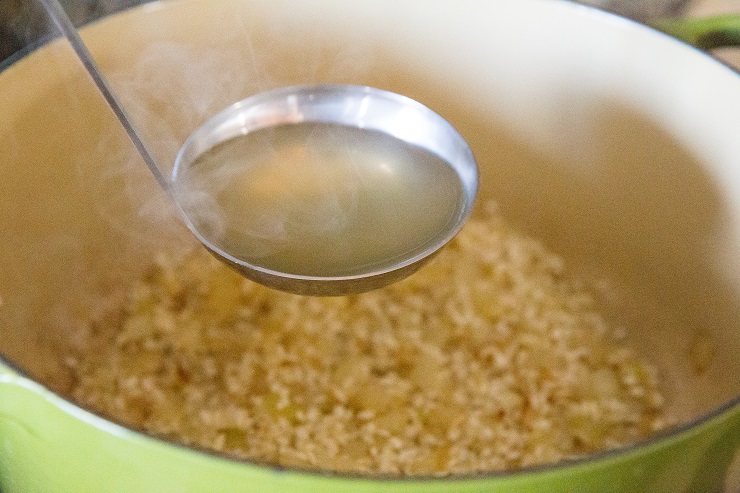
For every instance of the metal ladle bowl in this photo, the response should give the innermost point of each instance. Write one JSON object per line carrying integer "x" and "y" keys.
{"x": 352, "y": 106}
{"x": 346, "y": 105}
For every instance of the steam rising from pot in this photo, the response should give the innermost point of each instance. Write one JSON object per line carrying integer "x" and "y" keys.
{"x": 170, "y": 87}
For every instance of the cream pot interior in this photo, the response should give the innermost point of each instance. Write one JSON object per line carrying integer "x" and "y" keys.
{"x": 614, "y": 155}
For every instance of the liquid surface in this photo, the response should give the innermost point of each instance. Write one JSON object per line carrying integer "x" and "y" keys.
{"x": 320, "y": 199}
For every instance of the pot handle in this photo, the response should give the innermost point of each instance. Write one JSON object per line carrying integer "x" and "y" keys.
{"x": 705, "y": 33}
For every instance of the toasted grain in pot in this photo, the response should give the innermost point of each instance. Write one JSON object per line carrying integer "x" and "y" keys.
{"x": 488, "y": 359}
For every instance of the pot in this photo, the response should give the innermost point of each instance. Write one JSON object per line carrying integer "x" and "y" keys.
{"x": 613, "y": 143}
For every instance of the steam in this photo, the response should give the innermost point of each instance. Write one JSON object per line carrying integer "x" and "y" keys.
{"x": 258, "y": 194}
{"x": 176, "y": 81}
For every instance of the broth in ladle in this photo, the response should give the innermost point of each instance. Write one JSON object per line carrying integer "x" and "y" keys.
{"x": 320, "y": 199}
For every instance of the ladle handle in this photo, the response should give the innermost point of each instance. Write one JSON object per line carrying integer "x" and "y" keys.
{"x": 62, "y": 21}
{"x": 6, "y": 370}
{"x": 705, "y": 33}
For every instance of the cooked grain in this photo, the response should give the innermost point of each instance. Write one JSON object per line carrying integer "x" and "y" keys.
{"x": 487, "y": 359}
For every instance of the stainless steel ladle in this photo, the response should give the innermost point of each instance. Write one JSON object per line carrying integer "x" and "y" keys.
{"x": 358, "y": 107}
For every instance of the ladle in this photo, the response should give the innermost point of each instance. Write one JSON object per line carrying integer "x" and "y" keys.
{"x": 309, "y": 205}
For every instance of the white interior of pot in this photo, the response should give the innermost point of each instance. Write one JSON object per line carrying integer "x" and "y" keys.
{"x": 611, "y": 144}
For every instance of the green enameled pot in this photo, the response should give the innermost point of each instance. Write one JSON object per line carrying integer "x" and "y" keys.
{"x": 617, "y": 145}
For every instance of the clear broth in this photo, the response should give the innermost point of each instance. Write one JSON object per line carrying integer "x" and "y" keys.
{"x": 320, "y": 199}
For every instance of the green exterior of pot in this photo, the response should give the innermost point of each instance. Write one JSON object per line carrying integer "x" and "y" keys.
{"x": 705, "y": 33}
{"x": 49, "y": 445}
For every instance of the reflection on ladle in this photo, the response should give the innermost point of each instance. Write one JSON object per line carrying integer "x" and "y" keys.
{"x": 320, "y": 190}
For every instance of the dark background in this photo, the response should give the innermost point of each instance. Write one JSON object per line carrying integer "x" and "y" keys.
{"x": 24, "y": 24}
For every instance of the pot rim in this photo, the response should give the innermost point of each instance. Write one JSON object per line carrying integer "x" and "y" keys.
{"x": 89, "y": 415}
{"x": 654, "y": 440}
